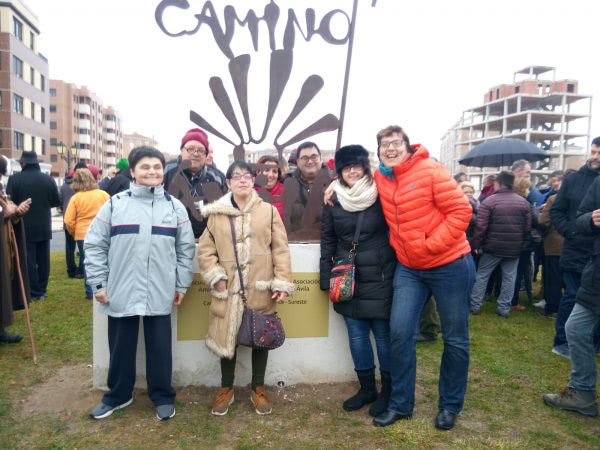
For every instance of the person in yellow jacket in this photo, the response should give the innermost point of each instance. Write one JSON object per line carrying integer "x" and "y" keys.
{"x": 82, "y": 209}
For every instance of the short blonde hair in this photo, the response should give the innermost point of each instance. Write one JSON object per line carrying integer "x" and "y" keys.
{"x": 522, "y": 186}
{"x": 84, "y": 181}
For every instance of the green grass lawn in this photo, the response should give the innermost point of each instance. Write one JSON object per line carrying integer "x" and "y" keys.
{"x": 511, "y": 367}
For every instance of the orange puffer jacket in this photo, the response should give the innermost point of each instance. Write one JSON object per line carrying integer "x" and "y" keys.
{"x": 426, "y": 211}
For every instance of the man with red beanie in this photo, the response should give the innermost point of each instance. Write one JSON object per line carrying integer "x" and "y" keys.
{"x": 196, "y": 173}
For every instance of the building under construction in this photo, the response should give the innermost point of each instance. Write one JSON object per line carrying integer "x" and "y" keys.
{"x": 547, "y": 112}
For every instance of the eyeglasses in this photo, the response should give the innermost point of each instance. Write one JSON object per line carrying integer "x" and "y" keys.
{"x": 394, "y": 144}
{"x": 195, "y": 150}
{"x": 245, "y": 177}
{"x": 314, "y": 158}
{"x": 356, "y": 167}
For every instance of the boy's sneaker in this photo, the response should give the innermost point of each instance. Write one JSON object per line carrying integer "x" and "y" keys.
{"x": 102, "y": 410}
{"x": 165, "y": 412}
{"x": 223, "y": 399}
{"x": 562, "y": 350}
{"x": 260, "y": 401}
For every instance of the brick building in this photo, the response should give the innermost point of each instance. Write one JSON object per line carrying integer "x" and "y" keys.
{"x": 23, "y": 84}
{"x": 79, "y": 120}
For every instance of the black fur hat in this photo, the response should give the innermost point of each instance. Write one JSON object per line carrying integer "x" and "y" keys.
{"x": 350, "y": 155}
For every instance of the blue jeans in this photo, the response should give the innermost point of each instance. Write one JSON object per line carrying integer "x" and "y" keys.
{"x": 451, "y": 286}
{"x": 580, "y": 334}
{"x": 360, "y": 344}
{"x": 572, "y": 281}
{"x": 88, "y": 288}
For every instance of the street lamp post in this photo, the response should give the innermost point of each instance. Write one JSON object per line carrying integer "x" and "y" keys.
{"x": 65, "y": 154}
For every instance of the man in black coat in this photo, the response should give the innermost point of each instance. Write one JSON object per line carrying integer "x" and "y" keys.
{"x": 503, "y": 222}
{"x": 577, "y": 248}
{"x": 120, "y": 182}
{"x": 43, "y": 192}
{"x": 580, "y": 394}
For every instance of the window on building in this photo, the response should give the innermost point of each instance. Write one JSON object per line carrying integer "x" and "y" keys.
{"x": 52, "y": 92}
{"x": 33, "y": 143}
{"x": 75, "y": 129}
{"x": 17, "y": 67}
{"x": 31, "y": 40}
{"x": 17, "y": 28}
{"x": 19, "y": 139}
{"x": 53, "y": 158}
{"x": 52, "y": 108}
{"x": 517, "y": 89}
{"x": 42, "y": 83}
{"x": 52, "y": 125}
{"x": 497, "y": 94}
{"x": 32, "y": 110}
{"x": 43, "y": 117}
{"x": 17, "y": 104}
{"x": 1, "y": 138}
{"x": 32, "y": 76}
{"x": 43, "y": 146}
{"x": 0, "y": 100}
{"x": 570, "y": 88}
{"x": 53, "y": 142}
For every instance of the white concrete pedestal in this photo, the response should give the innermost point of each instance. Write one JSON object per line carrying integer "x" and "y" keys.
{"x": 299, "y": 360}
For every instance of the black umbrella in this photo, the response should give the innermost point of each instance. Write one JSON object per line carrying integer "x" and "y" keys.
{"x": 502, "y": 152}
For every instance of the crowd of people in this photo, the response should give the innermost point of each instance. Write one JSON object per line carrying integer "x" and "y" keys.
{"x": 426, "y": 253}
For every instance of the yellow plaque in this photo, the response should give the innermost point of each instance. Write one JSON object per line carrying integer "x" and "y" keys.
{"x": 304, "y": 314}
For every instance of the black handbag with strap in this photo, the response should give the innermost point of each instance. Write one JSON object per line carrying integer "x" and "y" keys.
{"x": 256, "y": 330}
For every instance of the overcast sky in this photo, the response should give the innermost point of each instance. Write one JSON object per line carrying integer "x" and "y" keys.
{"x": 418, "y": 64}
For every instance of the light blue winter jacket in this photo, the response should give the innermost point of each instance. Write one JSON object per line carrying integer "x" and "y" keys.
{"x": 140, "y": 247}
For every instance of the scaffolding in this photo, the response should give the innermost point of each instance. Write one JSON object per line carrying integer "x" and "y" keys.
{"x": 549, "y": 113}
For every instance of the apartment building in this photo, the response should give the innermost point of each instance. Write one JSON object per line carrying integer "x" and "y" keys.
{"x": 131, "y": 141}
{"x": 535, "y": 107}
{"x": 23, "y": 84}
{"x": 83, "y": 126}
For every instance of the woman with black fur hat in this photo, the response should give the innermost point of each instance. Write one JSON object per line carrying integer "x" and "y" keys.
{"x": 355, "y": 194}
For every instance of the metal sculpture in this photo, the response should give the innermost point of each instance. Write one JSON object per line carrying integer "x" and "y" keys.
{"x": 281, "y": 62}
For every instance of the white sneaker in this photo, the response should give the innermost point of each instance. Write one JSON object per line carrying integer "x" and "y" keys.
{"x": 540, "y": 304}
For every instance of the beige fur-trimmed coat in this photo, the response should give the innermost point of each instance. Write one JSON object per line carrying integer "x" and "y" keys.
{"x": 264, "y": 256}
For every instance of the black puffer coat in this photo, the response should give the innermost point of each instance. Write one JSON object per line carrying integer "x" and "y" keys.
{"x": 503, "y": 223}
{"x": 375, "y": 260}
{"x": 589, "y": 293}
{"x": 577, "y": 248}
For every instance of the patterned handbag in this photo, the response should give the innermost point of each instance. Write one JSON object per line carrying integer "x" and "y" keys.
{"x": 256, "y": 330}
{"x": 343, "y": 272}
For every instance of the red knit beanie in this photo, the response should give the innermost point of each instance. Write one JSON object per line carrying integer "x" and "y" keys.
{"x": 195, "y": 134}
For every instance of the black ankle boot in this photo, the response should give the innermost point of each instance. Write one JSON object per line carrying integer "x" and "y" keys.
{"x": 367, "y": 392}
{"x": 380, "y": 405}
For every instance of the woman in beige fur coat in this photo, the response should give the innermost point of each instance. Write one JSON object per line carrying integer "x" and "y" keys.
{"x": 264, "y": 258}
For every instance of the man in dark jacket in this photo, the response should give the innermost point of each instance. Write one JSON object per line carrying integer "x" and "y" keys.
{"x": 32, "y": 183}
{"x": 192, "y": 181}
{"x": 580, "y": 394}
{"x": 303, "y": 189}
{"x": 120, "y": 182}
{"x": 503, "y": 222}
{"x": 577, "y": 248}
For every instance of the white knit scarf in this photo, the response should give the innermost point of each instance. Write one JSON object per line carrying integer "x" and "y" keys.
{"x": 357, "y": 198}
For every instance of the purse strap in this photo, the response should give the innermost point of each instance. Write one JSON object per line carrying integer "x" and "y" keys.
{"x": 237, "y": 259}
{"x": 359, "y": 222}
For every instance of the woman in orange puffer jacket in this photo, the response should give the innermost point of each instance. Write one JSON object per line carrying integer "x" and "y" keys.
{"x": 427, "y": 214}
